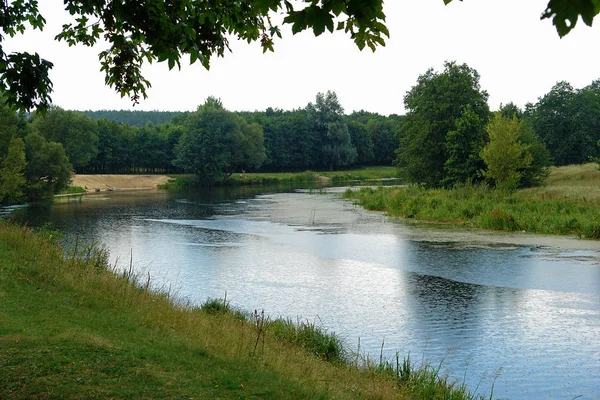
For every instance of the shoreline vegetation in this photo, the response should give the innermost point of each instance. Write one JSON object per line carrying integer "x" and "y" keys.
{"x": 281, "y": 178}
{"x": 567, "y": 204}
{"x": 85, "y": 183}
{"x": 80, "y": 327}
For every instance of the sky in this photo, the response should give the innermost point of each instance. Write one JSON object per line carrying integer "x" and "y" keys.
{"x": 518, "y": 57}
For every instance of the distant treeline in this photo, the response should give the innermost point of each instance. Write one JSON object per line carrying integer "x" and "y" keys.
{"x": 132, "y": 141}
{"x": 134, "y": 118}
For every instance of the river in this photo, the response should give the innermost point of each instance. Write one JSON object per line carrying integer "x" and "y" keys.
{"x": 517, "y": 311}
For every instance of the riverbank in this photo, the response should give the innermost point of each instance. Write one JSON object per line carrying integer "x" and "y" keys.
{"x": 275, "y": 178}
{"x": 104, "y": 182}
{"x": 567, "y": 204}
{"x": 74, "y": 328}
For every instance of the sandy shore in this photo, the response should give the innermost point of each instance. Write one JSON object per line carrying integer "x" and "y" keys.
{"x": 95, "y": 183}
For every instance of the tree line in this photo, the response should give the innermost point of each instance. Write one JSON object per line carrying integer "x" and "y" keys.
{"x": 211, "y": 142}
{"x": 448, "y": 136}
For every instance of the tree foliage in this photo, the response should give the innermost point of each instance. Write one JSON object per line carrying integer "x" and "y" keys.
{"x": 332, "y": 136}
{"x": 217, "y": 142}
{"x": 438, "y": 105}
{"x": 48, "y": 169}
{"x": 76, "y": 132}
{"x": 568, "y": 122}
{"x": 463, "y": 147}
{"x": 514, "y": 156}
{"x": 165, "y": 31}
{"x": 12, "y": 172}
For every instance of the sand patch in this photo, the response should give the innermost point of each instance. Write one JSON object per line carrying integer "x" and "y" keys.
{"x": 118, "y": 182}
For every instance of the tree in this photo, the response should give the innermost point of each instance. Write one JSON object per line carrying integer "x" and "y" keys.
{"x": 504, "y": 155}
{"x": 48, "y": 169}
{"x": 435, "y": 105}
{"x": 463, "y": 148}
{"x": 383, "y": 133}
{"x": 77, "y": 133}
{"x": 12, "y": 168}
{"x": 216, "y": 142}
{"x": 159, "y": 30}
{"x": 333, "y": 139}
{"x": 568, "y": 122}
{"x": 361, "y": 140}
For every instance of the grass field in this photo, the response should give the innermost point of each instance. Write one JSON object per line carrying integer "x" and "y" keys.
{"x": 73, "y": 327}
{"x": 567, "y": 204}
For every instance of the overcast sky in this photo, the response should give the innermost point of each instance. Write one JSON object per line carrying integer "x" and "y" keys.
{"x": 518, "y": 57}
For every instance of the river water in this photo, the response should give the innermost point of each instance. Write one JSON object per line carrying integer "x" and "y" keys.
{"x": 517, "y": 311}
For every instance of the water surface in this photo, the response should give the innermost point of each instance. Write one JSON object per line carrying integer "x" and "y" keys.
{"x": 519, "y": 310}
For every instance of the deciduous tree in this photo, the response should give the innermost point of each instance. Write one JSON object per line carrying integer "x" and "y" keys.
{"x": 435, "y": 106}
{"x": 12, "y": 172}
{"x": 333, "y": 139}
{"x": 504, "y": 155}
{"x": 216, "y": 142}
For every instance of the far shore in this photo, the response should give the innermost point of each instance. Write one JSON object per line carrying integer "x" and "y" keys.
{"x": 109, "y": 182}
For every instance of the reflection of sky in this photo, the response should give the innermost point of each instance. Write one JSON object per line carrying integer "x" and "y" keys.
{"x": 534, "y": 311}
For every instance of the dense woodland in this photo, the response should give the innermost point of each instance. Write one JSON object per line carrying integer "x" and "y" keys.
{"x": 448, "y": 136}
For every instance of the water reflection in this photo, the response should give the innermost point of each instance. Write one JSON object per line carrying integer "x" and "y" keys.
{"x": 478, "y": 302}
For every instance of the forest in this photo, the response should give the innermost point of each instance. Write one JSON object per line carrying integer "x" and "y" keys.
{"x": 447, "y": 136}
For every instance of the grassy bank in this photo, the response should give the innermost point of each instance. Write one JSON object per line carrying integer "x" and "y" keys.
{"x": 73, "y": 190}
{"x": 71, "y": 327}
{"x": 568, "y": 204}
{"x": 280, "y": 178}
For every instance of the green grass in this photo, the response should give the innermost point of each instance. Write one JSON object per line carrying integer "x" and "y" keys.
{"x": 73, "y": 190}
{"x": 276, "y": 178}
{"x": 568, "y": 204}
{"x": 73, "y": 327}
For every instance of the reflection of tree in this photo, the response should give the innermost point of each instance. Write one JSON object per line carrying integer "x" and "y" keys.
{"x": 450, "y": 312}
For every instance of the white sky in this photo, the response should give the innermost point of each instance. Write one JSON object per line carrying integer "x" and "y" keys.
{"x": 518, "y": 57}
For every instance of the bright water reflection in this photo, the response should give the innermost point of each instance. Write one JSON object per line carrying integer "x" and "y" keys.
{"x": 482, "y": 302}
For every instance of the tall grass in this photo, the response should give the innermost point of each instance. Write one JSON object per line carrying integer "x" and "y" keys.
{"x": 83, "y": 328}
{"x": 565, "y": 206}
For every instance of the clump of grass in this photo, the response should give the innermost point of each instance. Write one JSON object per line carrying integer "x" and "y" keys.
{"x": 327, "y": 346}
{"x": 73, "y": 190}
{"x": 222, "y": 307}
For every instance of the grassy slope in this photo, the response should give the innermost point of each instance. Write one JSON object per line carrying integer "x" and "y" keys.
{"x": 71, "y": 328}
{"x": 568, "y": 203}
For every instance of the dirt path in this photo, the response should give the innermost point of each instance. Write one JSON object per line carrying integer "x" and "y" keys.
{"x": 118, "y": 182}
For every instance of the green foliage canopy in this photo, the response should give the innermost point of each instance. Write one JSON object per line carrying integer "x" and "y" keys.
{"x": 217, "y": 142}
{"x": 48, "y": 169}
{"x": 159, "y": 30}
{"x": 12, "y": 172}
{"x": 76, "y": 132}
{"x": 333, "y": 138}
{"x": 568, "y": 122}
{"x": 438, "y": 105}
{"x": 514, "y": 156}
